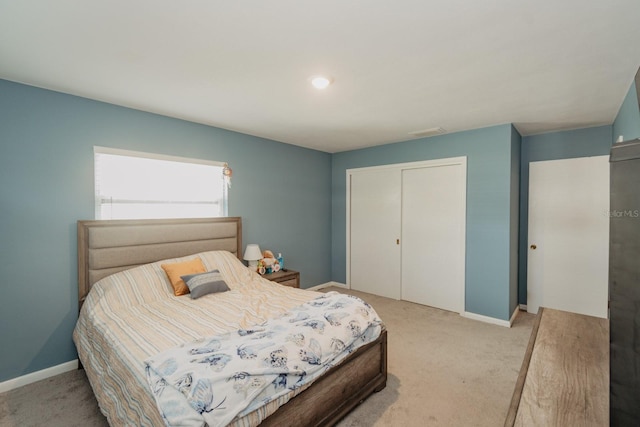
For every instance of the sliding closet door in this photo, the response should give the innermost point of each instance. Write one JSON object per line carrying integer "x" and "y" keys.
{"x": 406, "y": 231}
{"x": 433, "y": 223}
{"x": 374, "y": 232}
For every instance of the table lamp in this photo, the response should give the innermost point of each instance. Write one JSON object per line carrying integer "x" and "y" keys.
{"x": 252, "y": 254}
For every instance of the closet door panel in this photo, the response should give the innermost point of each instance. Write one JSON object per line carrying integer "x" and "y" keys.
{"x": 433, "y": 220}
{"x": 375, "y": 230}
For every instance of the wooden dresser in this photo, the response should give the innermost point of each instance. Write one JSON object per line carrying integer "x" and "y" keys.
{"x": 564, "y": 380}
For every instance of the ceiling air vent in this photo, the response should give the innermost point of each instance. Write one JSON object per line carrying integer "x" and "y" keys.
{"x": 427, "y": 132}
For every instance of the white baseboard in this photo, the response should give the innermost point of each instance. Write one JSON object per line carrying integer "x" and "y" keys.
{"x": 487, "y": 319}
{"x": 492, "y": 320}
{"x": 523, "y": 307}
{"x": 514, "y": 315}
{"x": 327, "y": 285}
{"x": 38, "y": 375}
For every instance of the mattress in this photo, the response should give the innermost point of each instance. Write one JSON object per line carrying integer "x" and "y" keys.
{"x": 133, "y": 315}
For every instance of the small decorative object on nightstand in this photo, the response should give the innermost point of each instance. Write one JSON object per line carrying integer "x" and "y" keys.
{"x": 285, "y": 278}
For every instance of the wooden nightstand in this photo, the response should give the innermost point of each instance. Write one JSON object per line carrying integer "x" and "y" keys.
{"x": 285, "y": 278}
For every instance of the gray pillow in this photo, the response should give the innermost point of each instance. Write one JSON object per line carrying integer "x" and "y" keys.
{"x": 205, "y": 283}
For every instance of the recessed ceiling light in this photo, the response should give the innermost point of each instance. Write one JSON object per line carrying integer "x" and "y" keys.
{"x": 321, "y": 82}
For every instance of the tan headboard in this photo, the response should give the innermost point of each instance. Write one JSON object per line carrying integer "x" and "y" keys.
{"x": 108, "y": 246}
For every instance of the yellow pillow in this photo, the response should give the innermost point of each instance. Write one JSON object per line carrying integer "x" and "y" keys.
{"x": 175, "y": 270}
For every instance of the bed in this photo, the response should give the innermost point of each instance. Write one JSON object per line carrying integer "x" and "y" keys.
{"x": 128, "y": 252}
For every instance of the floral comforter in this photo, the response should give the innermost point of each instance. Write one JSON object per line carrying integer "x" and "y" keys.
{"x": 211, "y": 381}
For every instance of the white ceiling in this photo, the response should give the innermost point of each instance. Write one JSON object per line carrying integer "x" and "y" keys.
{"x": 398, "y": 66}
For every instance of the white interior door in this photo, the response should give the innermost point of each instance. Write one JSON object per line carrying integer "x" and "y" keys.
{"x": 568, "y": 255}
{"x": 374, "y": 232}
{"x": 433, "y": 222}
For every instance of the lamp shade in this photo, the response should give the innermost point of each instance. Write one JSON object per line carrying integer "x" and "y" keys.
{"x": 252, "y": 252}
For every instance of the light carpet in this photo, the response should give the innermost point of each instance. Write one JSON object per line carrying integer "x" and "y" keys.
{"x": 444, "y": 370}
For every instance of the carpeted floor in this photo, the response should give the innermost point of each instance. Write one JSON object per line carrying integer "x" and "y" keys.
{"x": 444, "y": 370}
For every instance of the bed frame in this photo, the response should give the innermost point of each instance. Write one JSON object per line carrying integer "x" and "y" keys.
{"x": 106, "y": 247}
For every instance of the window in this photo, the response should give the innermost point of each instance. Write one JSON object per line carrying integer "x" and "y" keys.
{"x": 135, "y": 185}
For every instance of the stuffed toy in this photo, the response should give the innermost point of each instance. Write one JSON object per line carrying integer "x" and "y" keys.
{"x": 268, "y": 262}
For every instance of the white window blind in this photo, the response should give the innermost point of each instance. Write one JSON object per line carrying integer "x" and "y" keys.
{"x": 135, "y": 185}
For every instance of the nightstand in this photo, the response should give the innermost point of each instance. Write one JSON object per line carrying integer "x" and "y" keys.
{"x": 285, "y": 278}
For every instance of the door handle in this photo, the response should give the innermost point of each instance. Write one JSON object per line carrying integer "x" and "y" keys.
{"x": 533, "y": 247}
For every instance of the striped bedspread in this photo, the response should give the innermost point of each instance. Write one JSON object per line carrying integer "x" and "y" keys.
{"x": 133, "y": 315}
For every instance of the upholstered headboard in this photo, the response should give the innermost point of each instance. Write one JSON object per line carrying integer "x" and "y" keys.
{"x": 108, "y": 246}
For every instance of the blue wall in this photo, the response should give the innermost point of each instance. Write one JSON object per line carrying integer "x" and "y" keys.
{"x": 514, "y": 231}
{"x": 46, "y": 170}
{"x": 489, "y": 175}
{"x": 553, "y": 146}
{"x": 627, "y": 121}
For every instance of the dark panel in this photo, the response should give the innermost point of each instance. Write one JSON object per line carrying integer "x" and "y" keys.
{"x": 624, "y": 284}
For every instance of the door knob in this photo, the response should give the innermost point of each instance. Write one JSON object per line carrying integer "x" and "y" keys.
{"x": 533, "y": 247}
